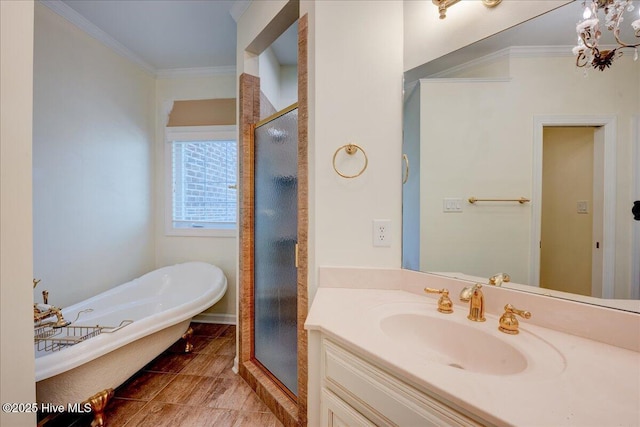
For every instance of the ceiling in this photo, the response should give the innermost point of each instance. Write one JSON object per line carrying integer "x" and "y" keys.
{"x": 169, "y": 35}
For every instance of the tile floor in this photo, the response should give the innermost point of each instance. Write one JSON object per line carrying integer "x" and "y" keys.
{"x": 184, "y": 389}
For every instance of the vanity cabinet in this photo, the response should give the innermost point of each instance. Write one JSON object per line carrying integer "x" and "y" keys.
{"x": 355, "y": 392}
{"x": 373, "y": 360}
{"x": 337, "y": 413}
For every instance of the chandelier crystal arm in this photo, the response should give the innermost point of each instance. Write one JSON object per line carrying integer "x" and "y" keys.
{"x": 588, "y": 50}
{"x": 616, "y": 34}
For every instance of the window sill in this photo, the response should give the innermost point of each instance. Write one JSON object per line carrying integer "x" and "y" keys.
{"x": 201, "y": 232}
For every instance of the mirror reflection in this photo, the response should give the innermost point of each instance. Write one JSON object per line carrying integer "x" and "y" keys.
{"x": 547, "y": 147}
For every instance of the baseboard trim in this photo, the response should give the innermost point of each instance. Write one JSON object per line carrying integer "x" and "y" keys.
{"x": 225, "y": 319}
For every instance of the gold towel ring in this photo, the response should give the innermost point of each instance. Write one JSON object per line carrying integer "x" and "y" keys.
{"x": 406, "y": 169}
{"x": 351, "y": 149}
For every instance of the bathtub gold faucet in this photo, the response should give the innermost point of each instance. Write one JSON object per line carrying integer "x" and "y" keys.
{"x": 44, "y": 311}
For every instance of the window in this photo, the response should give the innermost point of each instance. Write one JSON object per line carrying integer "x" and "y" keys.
{"x": 201, "y": 168}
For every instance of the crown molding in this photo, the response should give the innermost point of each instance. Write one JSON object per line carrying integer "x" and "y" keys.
{"x": 473, "y": 63}
{"x": 90, "y": 28}
{"x": 537, "y": 51}
{"x": 171, "y": 73}
{"x": 466, "y": 80}
{"x": 510, "y": 52}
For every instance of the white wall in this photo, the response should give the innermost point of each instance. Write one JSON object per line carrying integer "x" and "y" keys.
{"x": 278, "y": 82}
{"x": 469, "y": 139}
{"x": 356, "y": 82}
{"x": 270, "y": 77}
{"x": 288, "y": 85}
{"x": 16, "y": 342}
{"x": 92, "y": 163}
{"x": 481, "y": 137}
{"x": 169, "y": 250}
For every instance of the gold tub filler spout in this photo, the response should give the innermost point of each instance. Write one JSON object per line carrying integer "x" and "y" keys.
{"x": 44, "y": 311}
{"x": 53, "y": 335}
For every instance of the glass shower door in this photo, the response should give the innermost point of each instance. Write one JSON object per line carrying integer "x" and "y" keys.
{"x": 276, "y": 225}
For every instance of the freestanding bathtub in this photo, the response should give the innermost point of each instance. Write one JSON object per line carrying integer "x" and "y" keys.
{"x": 161, "y": 305}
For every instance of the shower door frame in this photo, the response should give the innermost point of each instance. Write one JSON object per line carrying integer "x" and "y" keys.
{"x": 289, "y": 410}
{"x": 254, "y": 359}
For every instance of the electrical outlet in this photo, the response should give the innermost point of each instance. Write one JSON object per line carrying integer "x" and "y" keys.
{"x": 382, "y": 232}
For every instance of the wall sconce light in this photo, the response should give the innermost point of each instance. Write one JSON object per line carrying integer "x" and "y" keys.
{"x": 587, "y": 50}
{"x": 444, "y": 4}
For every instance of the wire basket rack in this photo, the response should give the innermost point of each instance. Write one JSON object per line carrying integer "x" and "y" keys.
{"x": 48, "y": 338}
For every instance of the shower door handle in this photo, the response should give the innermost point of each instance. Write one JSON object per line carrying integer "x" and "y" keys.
{"x": 296, "y": 255}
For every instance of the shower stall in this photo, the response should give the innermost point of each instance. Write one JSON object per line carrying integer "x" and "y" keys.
{"x": 275, "y": 247}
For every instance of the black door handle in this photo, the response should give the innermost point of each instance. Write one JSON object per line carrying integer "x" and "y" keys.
{"x": 636, "y": 210}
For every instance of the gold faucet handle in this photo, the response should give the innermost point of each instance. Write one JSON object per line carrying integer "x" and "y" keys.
{"x": 508, "y": 321}
{"x": 444, "y": 303}
{"x": 499, "y": 279}
{"x": 511, "y": 309}
{"x": 35, "y": 282}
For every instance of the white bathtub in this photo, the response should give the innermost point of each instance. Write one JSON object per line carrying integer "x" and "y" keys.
{"x": 160, "y": 303}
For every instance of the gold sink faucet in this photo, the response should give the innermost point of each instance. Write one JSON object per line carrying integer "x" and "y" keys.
{"x": 495, "y": 280}
{"x": 444, "y": 303}
{"x": 476, "y": 304}
{"x": 508, "y": 321}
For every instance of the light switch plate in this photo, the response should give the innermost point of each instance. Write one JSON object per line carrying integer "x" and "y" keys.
{"x": 583, "y": 206}
{"x": 450, "y": 204}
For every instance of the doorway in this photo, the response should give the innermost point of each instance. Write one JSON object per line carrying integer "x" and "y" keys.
{"x": 602, "y": 269}
{"x": 571, "y": 223}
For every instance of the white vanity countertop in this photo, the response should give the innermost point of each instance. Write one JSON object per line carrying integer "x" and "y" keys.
{"x": 599, "y": 384}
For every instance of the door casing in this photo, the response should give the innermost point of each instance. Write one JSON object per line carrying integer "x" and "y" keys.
{"x": 609, "y": 125}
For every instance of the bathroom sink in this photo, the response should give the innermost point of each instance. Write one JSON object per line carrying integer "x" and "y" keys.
{"x": 477, "y": 347}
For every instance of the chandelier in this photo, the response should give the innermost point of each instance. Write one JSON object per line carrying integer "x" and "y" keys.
{"x": 588, "y": 49}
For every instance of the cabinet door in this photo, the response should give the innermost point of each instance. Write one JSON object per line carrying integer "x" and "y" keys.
{"x": 337, "y": 413}
{"x": 382, "y": 397}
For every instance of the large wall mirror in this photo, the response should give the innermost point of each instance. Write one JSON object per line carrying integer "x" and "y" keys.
{"x": 548, "y": 148}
